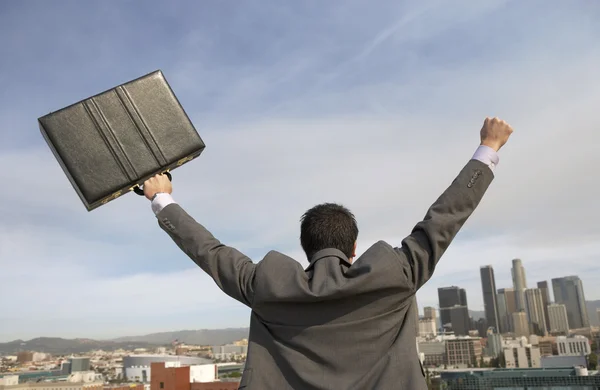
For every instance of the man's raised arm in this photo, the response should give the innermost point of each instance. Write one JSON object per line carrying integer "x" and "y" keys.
{"x": 231, "y": 270}
{"x": 430, "y": 238}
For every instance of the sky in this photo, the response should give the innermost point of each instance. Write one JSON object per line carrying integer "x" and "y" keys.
{"x": 373, "y": 104}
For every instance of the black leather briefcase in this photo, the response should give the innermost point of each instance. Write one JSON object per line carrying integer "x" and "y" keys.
{"x": 110, "y": 143}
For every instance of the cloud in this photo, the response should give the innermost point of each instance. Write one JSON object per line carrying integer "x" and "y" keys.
{"x": 374, "y": 107}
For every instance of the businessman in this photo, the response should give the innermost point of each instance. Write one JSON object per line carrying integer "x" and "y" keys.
{"x": 338, "y": 324}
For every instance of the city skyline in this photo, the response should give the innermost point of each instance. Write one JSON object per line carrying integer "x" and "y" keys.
{"x": 539, "y": 315}
{"x": 299, "y": 103}
{"x": 461, "y": 297}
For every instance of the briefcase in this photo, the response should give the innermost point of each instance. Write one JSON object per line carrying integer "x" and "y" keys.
{"x": 110, "y": 143}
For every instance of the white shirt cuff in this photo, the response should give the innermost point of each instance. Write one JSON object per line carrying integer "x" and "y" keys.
{"x": 487, "y": 155}
{"x": 160, "y": 201}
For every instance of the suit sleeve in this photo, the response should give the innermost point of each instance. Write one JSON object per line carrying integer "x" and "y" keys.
{"x": 231, "y": 270}
{"x": 429, "y": 239}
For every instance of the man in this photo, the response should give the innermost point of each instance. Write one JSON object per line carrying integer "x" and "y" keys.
{"x": 336, "y": 324}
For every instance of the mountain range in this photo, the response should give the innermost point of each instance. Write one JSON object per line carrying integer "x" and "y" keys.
{"x": 194, "y": 337}
{"x": 60, "y": 346}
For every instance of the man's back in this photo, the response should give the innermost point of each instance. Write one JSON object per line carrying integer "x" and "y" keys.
{"x": 336, "y": 325}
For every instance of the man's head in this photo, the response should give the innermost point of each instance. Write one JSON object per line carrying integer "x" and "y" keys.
{"x": 328, "y": 225}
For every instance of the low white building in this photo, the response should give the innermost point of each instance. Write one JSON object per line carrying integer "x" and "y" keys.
{"x": 39, "y": 357}
{"x": 204, "y": 373}
{"x": 9, "y": 380}
{"x": 230, "y": 351}
{"x": 138, "y": 367}
{"x": 523, "y": 357}
{"x": 573, "y": 346}
{"x": 85, "y": 377}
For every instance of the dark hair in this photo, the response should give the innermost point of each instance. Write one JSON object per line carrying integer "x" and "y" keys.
{"x": 328, "y": 225}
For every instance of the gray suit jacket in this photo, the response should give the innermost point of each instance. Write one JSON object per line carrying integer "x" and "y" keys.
{"x": 334, "y": 325}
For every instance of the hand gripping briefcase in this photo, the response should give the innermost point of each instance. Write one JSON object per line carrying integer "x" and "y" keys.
{"x": 110, "y": 143}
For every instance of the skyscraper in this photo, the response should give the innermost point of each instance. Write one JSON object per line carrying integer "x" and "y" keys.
{"x": 506, "y": 306}
{"x": 490, "y": 303}
{"x": 535, "y": 311}
{"x": 429, "y": 312}
{"x": 460, "y": 320}
{"x": 463, "y": 297}
{"x": 520, "y": 325}
{"x": 519, "y": 283}
{"x": 451, "y": 299}
{"x": 559, "y": 322}
{"x": 568, "y": 290}
{"x": 543, "y": 286}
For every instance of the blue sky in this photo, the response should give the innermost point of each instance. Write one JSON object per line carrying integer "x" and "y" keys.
{"x": 374, "y": 104}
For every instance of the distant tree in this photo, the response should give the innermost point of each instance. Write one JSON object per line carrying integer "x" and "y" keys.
{"x": 592, "y": 361}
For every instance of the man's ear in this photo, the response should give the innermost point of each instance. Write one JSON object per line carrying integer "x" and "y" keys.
{"x": 354, "y": 250}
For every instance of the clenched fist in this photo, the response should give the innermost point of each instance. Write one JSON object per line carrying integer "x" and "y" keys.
{"x": 495, "y": 133}
{"x": 157, "y": 183}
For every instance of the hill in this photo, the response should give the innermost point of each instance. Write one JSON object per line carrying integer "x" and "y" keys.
{"x": 60, "y": 346}
{"x": 198, "y": 337}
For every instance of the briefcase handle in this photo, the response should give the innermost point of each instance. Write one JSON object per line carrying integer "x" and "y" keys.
{"x": 140, "y": 191}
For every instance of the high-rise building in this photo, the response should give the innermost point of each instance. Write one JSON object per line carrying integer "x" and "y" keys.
{"x": 490, "y": 303}
{"x": 494, "y": 344}
{"x": 429, "y": 312}
{"x": 427, "y": 327}
{"x": 535, "y": 311}
{"x": 463, "y": 297}
{"x": 459, "y": 320}
{"x": 506, "y": 306}
{"x": 559, "y": 322}
{"x": 568, "y": 290}
{"x": 543, "y": 286}
{"x": 450, "y": 297}
{"x": 519, "y": 283}
{"x": 520, "y": 324}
